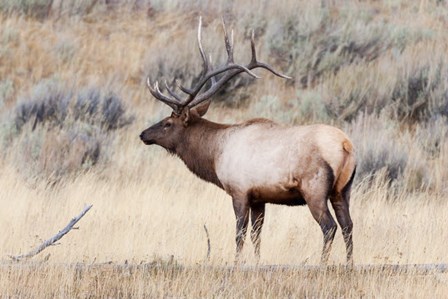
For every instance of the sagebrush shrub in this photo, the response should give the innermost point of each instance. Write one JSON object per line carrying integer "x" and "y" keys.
{"x": 6, "y": 89}
{"x": 58, "y": 131}
{"x": 33, "y": 8}
{"x": 379, "y": 146}
{"x": 52, "y": 154}
{"x": 320, "y": 47}
{"x": 54, "y": 104}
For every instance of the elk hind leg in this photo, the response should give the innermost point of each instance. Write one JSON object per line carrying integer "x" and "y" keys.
{"x": 341, "y": 202}
{"x": 340, "y": 206}
{"x": 321, "y": 214}
{"x": 316, "y": 192}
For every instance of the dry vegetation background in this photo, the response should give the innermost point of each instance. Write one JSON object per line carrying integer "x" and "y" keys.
{"x": 73, "y": 102}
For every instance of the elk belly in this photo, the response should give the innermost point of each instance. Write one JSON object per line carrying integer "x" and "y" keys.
{"x": 276, "y": 195}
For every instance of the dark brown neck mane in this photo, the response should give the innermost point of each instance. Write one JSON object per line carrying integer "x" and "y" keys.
{"x": 199, "y": 148}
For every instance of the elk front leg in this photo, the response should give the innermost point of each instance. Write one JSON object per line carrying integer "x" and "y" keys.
{"x": 241, "y": 209}
{"x": 257, "y": 219}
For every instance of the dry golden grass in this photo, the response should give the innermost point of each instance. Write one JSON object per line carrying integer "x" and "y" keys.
{"x": 162, "y": 213}
{"x": 148, "y": 209}
{"x": 145, "y": 216}
{"x": 198, "y": 282}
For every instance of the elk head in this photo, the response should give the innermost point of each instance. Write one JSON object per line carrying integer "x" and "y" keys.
{"x": 169, "y": 131}
{"x": 194, "y": 105}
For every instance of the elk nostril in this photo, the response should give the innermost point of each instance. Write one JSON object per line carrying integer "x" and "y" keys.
{"x": 141, "y": 136}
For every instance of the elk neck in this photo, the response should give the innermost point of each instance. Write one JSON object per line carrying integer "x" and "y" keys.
{"x": 200, "y": 146}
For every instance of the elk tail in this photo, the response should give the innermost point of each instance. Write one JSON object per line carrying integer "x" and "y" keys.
{"x": 348, "y": 167}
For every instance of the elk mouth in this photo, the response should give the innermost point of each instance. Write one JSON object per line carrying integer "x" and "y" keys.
{"x": 146, "y": 141}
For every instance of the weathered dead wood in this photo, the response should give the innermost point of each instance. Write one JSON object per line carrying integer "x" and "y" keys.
{"x": 53, "y": 239}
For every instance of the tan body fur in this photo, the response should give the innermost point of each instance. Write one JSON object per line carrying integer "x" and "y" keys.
{"x": 276, "y": 159}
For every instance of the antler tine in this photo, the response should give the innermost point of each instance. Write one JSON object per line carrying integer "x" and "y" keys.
{"x": 238, "y": 69}
{"x": 208, "y": 73}
{"x": 195, "y": 100}
{"x": 155, "y": 91}
{"x": 215, "y": 87}
{"x": 201, "y": 49}
{"x": 252, "y": 46}
{"x": 229, "y": 44}
{"x": 211, "y": 68}
{"x": 172, "y": 93}
{"x": 184, "y": 89}
{"x": 205, "y": 78}
{"x": 254, "y": 63}
{"x": 269, "y": 68}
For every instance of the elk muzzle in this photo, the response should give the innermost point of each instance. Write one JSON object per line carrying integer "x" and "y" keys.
{"x": 146, "y": 140}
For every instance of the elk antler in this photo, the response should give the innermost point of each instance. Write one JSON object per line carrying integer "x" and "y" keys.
{"x": 208, "y": 73}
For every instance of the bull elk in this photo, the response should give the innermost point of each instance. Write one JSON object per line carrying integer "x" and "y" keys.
{"x": 258, "y": 161}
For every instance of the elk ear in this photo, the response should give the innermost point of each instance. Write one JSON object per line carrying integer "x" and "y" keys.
{"x": 202, "y": 108}
{"x": 185, "y": 116}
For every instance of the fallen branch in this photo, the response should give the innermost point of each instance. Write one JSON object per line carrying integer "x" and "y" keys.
{"x": 53, "y": 239}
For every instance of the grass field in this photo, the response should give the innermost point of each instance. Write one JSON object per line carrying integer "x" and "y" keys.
{"x": 73, "y": 102}
{"x": 148, "y": 223}
{"x": 107, "y": 281}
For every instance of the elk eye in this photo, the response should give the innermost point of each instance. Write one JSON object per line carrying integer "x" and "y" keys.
{"x": 167, "y": 125}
